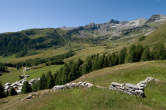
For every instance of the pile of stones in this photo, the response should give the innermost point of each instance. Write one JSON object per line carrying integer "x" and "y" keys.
{"x": 18, "y": 84}
{"x": 72, "y": 85}
{"x": 132, "y": 89}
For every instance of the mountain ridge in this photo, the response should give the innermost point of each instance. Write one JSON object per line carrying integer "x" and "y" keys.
{"x": 43, "y": 38}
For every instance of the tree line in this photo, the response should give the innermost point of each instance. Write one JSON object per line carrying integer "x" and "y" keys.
{"x": 74, "y": 69}
{"x": 58, "y": 60}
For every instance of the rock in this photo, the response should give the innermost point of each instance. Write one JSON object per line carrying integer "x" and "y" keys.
{"x": 31, "y": 95}
{"x": 130, "y": 86}
{"x": 18, "y": 84}
{"x": 72, "y": 85}
{"x": 132, "y": 89}
{"x": 59, "y": 87}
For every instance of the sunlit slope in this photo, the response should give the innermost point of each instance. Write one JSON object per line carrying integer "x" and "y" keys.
{"x": 158, "y": 36}
{"x": 103, "y": 99}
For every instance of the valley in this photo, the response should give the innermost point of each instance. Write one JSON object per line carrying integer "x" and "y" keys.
{"x": 114, "y": 51}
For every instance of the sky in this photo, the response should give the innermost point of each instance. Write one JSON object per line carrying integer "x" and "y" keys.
{"x": 16, "y": 15}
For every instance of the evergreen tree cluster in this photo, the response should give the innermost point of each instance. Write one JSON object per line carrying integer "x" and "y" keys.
{"x": 55, "y": 60}
{"x": 74, "y": 69}
{"x": 3, "y": 68}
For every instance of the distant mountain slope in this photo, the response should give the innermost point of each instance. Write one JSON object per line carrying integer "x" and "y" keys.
{"x": 158, "y": 36}
{"x": 22, "y": 42}
{"x": 115, "y": 29}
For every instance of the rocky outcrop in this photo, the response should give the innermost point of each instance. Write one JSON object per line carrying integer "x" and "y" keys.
{"x": 156, "y": 18}
{"x": 18, "y": 84}
{"x": 72, "y": 85}
{"x": 132, "y": 89}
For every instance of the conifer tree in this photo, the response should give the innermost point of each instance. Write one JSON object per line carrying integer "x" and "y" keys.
{"x": 12, "y": 92}
{"x": 87, "y": 65}
{"x": 2, "y": 93}
{"x": 65, "y": 73}
{"x": 138, "y": 53}
{"x": 50, "y": 80}
{"x": 158, "y": 52}
{"x": 36, "y": 86}
{"x": 106, "y": 60}
{"x": 146, "y": 55}
{"x": 43, "y": 82}
{"x": 26, "y": 87}
{"x": 122, "y": 56}
{"x": 131, "y": 54}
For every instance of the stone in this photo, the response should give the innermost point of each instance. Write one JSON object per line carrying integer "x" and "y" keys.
{"x": 58, "y": 87}
{"x": 132, "y": 89}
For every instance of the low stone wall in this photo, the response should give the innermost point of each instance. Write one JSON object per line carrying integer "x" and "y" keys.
{"x": 18, "y": 84}
{"x": 132, "y": 89}
{"x": 72, "y": 85}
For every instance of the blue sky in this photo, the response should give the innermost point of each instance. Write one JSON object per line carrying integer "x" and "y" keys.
{"x": 24, "y": 14}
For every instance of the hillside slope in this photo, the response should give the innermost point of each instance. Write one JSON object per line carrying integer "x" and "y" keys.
{"x": 24, "y": 42}
{"x": 158, "y": 36}
{"x": 102, "y": 99}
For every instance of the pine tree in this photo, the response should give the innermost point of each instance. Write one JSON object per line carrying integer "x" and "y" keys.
{"x": 65, "y": 73}
{"x": 131, "y": 54}
{"x": 100, "y": 62}
{"x": 146, "y": 55}
{"x": 114, "y": 59}
{"x": 12, "y": 92}
{"x": 50, "y": 80}
{"x": 138, "y": 53}
{"x": 158, "y": 52}
{"x": 87, "y": 65}
{"x": 162, "y": 52}
{"x": 35, "y": 86}
{"x": 2, "y": 93}
{"x": 95, "y": 64}
{"x": 26, "y": 87}
{"x": 122, "y": 56}
{"x": 43, "y": 82}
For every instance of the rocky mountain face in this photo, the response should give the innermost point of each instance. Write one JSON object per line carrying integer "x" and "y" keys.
{"x": 115, "y": 29}
{"x": 156, "y": 18}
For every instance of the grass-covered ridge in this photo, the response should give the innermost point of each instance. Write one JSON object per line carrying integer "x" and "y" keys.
{"x": 102, "y": 99}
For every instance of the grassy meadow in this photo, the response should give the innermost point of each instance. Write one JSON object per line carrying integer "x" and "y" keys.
{"x": 13, "y": 75}
{"x": 102, "y": 99}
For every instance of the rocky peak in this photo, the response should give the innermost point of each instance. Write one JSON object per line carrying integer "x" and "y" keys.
{"x": 137, "y": 22}
{"x": 113, "y": 21}
{"x": 156, "y": 18}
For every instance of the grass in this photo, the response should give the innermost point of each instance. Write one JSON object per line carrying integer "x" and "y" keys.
{"x": 132, "y": 73}
{"x": 41, "y": 54}
{"x": 102, "y": 99}
{"x": 13, "y": 75}
{"x": 158, "y": 36}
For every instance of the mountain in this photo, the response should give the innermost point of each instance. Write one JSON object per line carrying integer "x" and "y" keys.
{"x": 156, "y": 18}
{"x": 99, "y": 69}
{"x": 115, "y": 29}
{"x": 22, "y": 42}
